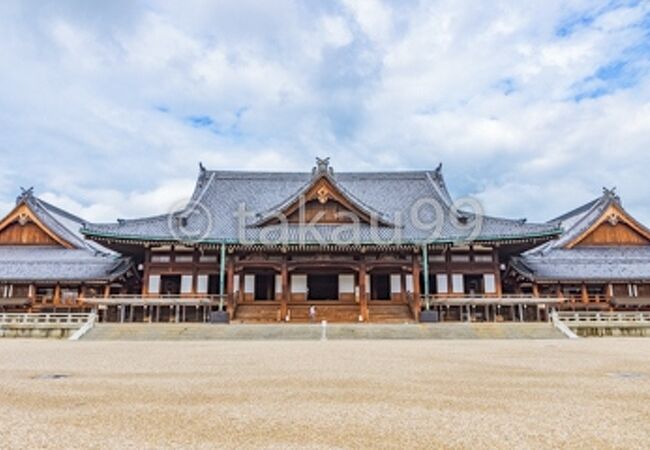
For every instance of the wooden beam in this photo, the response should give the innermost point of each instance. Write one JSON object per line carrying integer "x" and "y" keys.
{"x": 416, "y": 276}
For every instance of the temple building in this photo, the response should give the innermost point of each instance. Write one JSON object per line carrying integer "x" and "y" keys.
{"x": 46, "y": 264}
{"x": 600, "y": 262}
{"x": 364, "y": 246}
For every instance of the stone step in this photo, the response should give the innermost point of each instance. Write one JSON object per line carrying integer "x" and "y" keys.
{"x": 154, "y": 332}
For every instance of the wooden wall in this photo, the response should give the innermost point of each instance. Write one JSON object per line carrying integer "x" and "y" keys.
{"x": 608, "y": 234}
{"x": 28, "y": 234}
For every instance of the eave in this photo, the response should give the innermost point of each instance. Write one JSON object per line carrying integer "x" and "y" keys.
{"x": 156, "y": 240}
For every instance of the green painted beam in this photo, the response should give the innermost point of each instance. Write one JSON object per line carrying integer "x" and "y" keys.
{"x": 222, "y": 275}
{"x": 425, "y": 273}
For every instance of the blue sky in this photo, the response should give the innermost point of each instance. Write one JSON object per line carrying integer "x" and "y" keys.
{"x": 107, "y": 107}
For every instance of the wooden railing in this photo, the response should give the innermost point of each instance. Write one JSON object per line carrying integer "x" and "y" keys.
{"x": 490, "y": 298}
{"x": 167, "y": 296}
{"x": 168, "y": 299}
{"x": 578, "y": 298}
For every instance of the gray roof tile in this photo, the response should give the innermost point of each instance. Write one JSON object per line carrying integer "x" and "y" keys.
{"x": 552, "y": 261}
{"x": 87, "y": 261}
{"x": 211, "y": 213}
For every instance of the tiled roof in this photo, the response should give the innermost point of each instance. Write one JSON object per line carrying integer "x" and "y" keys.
{"x": 587, "y": 264}
{"x": 57, "y": 264}
{"x": 64, "y": 224}
{"x": 553, "y": 261}
{"x": 211, "y": 213}
{"x": 87, "y": 261}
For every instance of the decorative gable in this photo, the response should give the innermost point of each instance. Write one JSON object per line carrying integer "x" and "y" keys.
{"x": 615, "y": 227}
{"x": 22, "y": 227}
{"x": 322, "y": 201}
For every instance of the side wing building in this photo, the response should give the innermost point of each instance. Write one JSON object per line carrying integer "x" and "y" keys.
{"x": 46, "y": 264}
{"x": 600, "y": 262}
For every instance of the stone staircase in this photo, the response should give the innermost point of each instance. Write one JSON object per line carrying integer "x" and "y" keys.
{"x": 198, "y": 331}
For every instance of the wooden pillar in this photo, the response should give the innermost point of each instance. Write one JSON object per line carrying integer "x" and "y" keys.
{"x": 284, "y": 279}
{"x": 196, "y": 257}
{"x": 145, "y": 272}
{"x": 416, "y": 277}
{"x": 31, "y": 294}
{"x": 242, "y": 294}
{"x": 57, "y": 294}
{"x": 402, "y": 282}
{"x": 363, "y": 298}
{"x": 497, "y": 272}
{"x": 535, "y": 290}
{"x": 584, "y": 294}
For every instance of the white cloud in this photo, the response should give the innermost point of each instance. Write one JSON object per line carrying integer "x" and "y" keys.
{"x": 336, "y": 31}
{"x": 374, "y": 18}
{"x": 97, "y": 110}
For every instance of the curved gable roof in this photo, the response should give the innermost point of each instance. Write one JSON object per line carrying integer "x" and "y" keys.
{"x": 219, "y": 195}
{"x": 75, "y": 260}
{"x": 563, "y": 259}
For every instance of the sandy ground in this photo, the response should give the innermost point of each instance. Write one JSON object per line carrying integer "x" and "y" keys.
{"x": 347, "y": 394}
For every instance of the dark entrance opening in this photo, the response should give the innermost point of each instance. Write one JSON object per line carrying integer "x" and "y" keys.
{"x": 265, "y": 286}
{"x": 433, "y": 283}
{"x": 473, "y": 284}
{"x": 380, "y": 286}
{"x": 213, "y": 284}
{"x": 170, "y": 284}
{"x": 323, "y": 287}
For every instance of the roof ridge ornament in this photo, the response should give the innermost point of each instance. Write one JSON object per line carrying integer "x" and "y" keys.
{"x": 25, "y": 194}
{"x": 322, "y": 167}
{"x": 611, "y": 194}
{"x": 437, "y": 174}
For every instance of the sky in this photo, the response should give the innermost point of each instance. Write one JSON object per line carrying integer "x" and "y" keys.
{"x": 107, "y": 108}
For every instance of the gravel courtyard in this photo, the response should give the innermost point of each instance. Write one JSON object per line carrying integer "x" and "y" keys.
{"x": 591, "y": 393}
